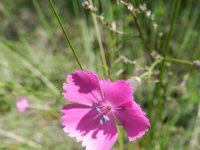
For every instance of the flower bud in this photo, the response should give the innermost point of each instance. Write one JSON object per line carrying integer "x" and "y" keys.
{"x": 135, "y": 82}
{"x": 196, "y": 64}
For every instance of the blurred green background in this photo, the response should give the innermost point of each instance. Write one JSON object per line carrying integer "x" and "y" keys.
{"x": 35, "y": 60}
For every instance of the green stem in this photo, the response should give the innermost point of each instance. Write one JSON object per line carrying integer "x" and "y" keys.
{"x": 161, "y": 85}
{"x": 158, "y": 61}
{"x": 103, "y": 57}
{"x": 120, "y": 138}
{"x": 166, "y": 52}
{"x": 166, "y": 47}
{"x": 151, "y": 68}
{"x": 174, "y": 16}
{"x": 178, "y": 61}
{"x": 146, "y": 48}
{"x": 65, "y": 33}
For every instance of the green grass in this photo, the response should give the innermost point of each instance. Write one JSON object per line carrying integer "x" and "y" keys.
{"x": 35, "y": 59}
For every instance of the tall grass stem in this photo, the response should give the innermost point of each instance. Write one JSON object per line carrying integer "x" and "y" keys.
{"x": 169, "y": 35}
{"x": 33, "y": 69}
{"x": 180, "y": 61}
{"x": 146, "y": 48}
{"x": 65, "y": 33}
{"x": 166, "y": 53}
{"x": 103, "y": 56}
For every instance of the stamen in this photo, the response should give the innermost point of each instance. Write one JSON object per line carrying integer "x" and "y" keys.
{"x": 98, "y": 110}
{"x": 101, "y": 121}
{"x": 104, "y": 119}
{"x": 102, "y": 113}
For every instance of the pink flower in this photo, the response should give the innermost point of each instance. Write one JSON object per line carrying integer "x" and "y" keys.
{"x": 22, "y": 104}
{"x": 98, "y": 105}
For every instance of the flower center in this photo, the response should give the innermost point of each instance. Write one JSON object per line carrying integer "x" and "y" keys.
{"x": 103, "y": 113}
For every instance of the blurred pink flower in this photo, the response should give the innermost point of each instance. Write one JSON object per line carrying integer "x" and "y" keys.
{"x": 98, "y": 104}
{"x": 22, "y": 104}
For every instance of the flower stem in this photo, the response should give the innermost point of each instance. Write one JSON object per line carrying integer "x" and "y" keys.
{"x": 178, "y": 61}
{"x": 151, "y": 68}
{"x": 65, "y": 33}
{"x": 120, "y": 138}
{"x": 158, "y": 61}
{"x": 103, "y": 57}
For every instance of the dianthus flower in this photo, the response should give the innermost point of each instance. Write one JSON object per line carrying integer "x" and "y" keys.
{"x": 22, "y": 104}
{"x": 98, "y": 105}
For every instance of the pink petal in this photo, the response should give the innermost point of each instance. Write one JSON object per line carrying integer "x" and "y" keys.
{"x": 133, "y": 120}
{"x": 79, "y": 121}
{"x": 72, "y": 114}
{"x": 82, "y": 87}
{"x": 116, "y": 93}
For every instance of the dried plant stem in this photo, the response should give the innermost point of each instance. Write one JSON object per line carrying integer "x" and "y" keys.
{"x": 146, "y": 48}
{"x": 93, "y": 10}
{"x": 102, "y": 52}
{"x": 65, "y": 33}
{"x": 133, "y": 12}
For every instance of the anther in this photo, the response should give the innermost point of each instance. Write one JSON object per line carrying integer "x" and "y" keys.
{"x": 101, "y": 121}
{"x": 104, "y": 119}
{"x": 98, "y": 110}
